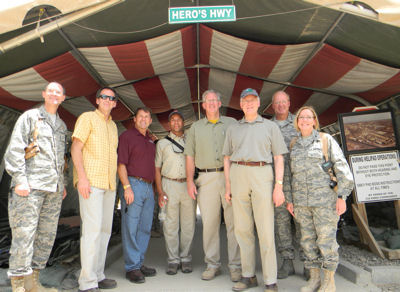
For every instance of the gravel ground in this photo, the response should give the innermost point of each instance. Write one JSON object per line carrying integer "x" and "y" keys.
{"x": 362, "y": 257}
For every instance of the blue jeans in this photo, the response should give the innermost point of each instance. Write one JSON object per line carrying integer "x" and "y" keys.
{"x": 136, "y": 222}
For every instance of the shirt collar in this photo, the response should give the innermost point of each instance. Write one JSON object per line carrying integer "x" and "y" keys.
{"x": 206, "y": 121}
{"x": 313, "y": 137}
{"x": 259, "y": 119}
{"x": 102, "y": 115}
{"x": 173, "y": 136}
{"x": 289, "y": 119}
{"x": 137, "y": 133}
{"x": 44, "y": 114}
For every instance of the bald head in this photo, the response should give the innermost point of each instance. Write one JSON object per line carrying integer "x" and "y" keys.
{"x": 280, "y": 105}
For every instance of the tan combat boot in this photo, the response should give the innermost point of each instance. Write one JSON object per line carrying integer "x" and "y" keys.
{"x": 32, "y": 283}
{"x": 328, "y": 285}
{"x": 17, "y": 284}
{"x": 314, "y": 282}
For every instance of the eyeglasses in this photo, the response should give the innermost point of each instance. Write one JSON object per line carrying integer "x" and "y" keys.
{"x": 211, "y": 100}
{"x": 54, "y": 92}
{"x": 306, "y": 118}
{"x": 243, "y": 100}
{"x": 280, "y": 102}
{"x": 104, "y": 96}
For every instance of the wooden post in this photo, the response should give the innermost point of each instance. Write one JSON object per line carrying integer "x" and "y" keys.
{"x": 366, "y": 233}
{"x": 363, "y": 213}
{"x": 397, "y": 209}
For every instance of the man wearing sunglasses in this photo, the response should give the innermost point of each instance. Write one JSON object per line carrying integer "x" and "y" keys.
{"x": 94, "y": 153}
{"x": 170, "y": 178}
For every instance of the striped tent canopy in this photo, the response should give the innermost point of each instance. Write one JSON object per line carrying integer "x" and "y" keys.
{"x": 320, "y": 56}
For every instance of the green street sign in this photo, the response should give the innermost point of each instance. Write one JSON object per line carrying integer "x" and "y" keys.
{"x": 201, "y": 14}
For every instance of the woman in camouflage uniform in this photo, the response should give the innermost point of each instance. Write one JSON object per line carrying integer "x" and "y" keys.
{"x": 315, "y": 204}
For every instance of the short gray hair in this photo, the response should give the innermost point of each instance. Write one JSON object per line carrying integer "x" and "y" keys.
{"x": 204, "y": 95}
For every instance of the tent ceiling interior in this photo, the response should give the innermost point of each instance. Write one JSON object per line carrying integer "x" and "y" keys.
{"x": 322, "y": 56}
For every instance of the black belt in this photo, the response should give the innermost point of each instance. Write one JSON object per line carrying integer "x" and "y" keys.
{"x": 251, "y": 163}
{"x": 143, "y": 179}
{"x": 181, "y": 180}
{"x": 212, "y": 169}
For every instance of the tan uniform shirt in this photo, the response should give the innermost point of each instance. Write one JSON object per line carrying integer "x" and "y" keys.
{"x": 170, "y": 158}
{"x": 205, "y": 140}
{"x": 259, "y": 140}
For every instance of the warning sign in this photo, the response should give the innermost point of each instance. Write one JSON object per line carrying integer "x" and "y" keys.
{"x": 376, "y": 176}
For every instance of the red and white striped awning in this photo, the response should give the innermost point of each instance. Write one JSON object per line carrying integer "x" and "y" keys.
{"x": 162, "y": 73}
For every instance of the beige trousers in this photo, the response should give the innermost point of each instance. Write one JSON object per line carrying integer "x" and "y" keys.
{"x": 251, "y": 188}
{"x": 211, "y": 196}
{"x": 96, "y": 223}
{"x": 180, "y": 221}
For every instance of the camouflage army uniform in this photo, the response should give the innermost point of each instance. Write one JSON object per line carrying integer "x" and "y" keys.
{"x": 34, "y": 218}
{"x": 283, "y": 226}
{"x": 314, "y": 201}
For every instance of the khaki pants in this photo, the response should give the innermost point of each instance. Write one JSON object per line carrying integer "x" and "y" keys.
{"x": 252, "y": 203}
{"x": 180, "y": 221}
{"x": 211, "y": 195}
{"x": 96, "y": 222}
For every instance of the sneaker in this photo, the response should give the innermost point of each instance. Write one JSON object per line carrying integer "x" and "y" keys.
{"x": 186, "y": 267}
{"x": 236, "y": 274}
{"x": 245, "y": 283}
{"x": 172, "y": 268}
{"x": 210, "y": 273}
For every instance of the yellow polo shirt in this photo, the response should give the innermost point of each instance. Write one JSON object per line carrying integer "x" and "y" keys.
{"x": 100, "y": 139}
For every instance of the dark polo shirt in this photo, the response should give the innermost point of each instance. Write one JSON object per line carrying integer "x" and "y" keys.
{"x": 137, "y": 152}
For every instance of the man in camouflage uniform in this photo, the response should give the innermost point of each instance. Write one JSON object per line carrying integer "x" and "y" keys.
{"x": 283, "y": 227}
{"x": 37, "y": 188}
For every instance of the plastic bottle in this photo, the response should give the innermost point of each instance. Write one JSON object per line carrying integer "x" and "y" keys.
{"x": 163, "y": 212}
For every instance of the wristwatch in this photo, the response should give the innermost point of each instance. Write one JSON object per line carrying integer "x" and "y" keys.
{"x": 340, "y": 197}
{"x": 126, "y": 186}
{"x": 279, "y": 182}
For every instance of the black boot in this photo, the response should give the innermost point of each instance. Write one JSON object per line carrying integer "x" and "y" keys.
{"x": 286, "y": 269}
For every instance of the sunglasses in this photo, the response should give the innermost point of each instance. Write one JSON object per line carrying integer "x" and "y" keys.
{"x": 104, "y": 96}
{"x": 176, "y": 149}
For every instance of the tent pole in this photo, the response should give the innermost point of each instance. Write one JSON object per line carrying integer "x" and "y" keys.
{"x": 198, "y": 64}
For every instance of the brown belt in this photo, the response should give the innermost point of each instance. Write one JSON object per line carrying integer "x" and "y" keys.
{"x": 143, "y": 179}
{"x": 181, "y": 180}
{"x": 212, "y": 169}
{"x": 251, "y": 163}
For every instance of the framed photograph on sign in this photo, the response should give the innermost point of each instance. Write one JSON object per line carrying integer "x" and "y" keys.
{"x": 368, "y": 131}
